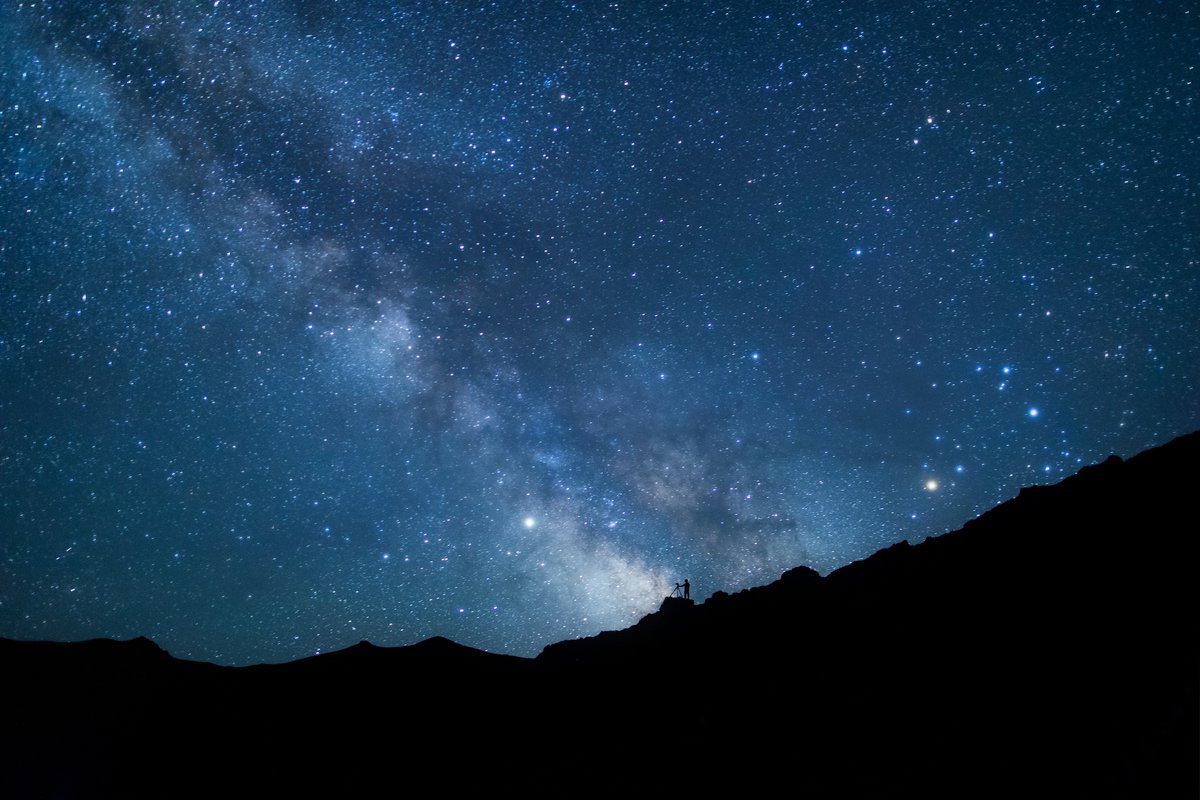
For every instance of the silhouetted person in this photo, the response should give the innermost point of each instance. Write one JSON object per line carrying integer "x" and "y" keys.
{"x": 687, "y": 590}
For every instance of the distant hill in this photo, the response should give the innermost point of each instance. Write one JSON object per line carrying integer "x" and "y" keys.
{"x": 1050, "y": 645}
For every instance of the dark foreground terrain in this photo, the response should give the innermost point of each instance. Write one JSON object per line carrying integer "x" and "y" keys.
{"x": 1050, "y": 646}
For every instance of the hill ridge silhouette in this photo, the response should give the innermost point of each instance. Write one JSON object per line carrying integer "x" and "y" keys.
{"x": 1000, "y": 529}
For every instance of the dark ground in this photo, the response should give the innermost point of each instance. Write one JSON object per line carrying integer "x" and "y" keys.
{"x": 1049, "y": 646}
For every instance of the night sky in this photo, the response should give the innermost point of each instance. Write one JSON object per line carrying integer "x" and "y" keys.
{"x": 322, "y": 322}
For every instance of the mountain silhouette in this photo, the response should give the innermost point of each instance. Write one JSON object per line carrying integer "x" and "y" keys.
{"x": 1050, "y": 645}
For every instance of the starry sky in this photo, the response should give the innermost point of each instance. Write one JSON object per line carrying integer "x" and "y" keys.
{"x": 330, "y": 321}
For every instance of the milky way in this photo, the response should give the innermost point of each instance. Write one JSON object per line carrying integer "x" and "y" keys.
{"x": 334, "y": 321}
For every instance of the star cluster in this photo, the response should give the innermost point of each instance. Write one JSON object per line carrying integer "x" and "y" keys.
{"x": 352, "y": 320}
